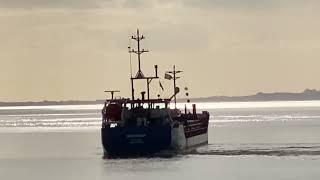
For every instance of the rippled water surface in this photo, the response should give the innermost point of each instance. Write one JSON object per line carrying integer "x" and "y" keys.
{"x": 249, "y": 140}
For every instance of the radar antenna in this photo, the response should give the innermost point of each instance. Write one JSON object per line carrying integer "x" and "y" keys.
{"x": 112, "y": 93}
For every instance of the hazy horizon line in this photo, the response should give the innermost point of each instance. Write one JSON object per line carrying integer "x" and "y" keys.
{"x": 200, "y": 97}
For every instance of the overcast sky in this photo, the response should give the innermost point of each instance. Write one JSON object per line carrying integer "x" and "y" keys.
{"x": 76, "y": 49}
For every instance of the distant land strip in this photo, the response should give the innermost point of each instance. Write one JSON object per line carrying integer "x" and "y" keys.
{"x": 307, "y": 95}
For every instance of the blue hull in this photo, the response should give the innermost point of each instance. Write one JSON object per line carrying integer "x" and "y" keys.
{"x": 128, "y": 141}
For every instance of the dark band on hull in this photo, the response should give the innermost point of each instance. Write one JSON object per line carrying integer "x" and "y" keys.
{"x": 138, "y": 141}
{"x": 128, "y": 141}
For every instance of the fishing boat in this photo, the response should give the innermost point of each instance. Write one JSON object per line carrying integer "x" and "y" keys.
{"x": 147, "y": 126}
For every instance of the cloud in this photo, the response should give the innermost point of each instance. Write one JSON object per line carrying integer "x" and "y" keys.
{"x": 72, "y": 51}
{"x": 56, "y": 3}
{"x": 245, "y": 4}
{"x": 134, "y": 4}
{"x": 87, "y": 4}
{"x": 228, "y": 3}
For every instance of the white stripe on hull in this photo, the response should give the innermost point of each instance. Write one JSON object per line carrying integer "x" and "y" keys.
{"x": 197, "y": 140}
{"x": 180, "y": 142}
{"x": 178, "y": 139}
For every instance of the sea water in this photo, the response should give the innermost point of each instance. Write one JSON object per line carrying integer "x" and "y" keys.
{"x": 247, "y": 140}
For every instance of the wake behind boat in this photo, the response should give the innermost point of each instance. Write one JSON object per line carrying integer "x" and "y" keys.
{"x": 149, "y": 126}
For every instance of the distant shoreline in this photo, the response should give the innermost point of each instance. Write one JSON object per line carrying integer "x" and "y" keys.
{"x": 307, "y": 95}
{"x": 51, "y": 103}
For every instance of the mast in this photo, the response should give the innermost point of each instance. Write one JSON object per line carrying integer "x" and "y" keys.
{"x": 175, "y": 88}
{"x": 140, "y": 74}
{"x": 138, "y": 38}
